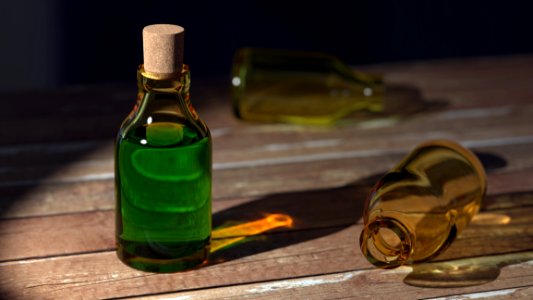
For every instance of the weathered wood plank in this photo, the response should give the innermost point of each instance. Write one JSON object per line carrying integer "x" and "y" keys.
{"x": 88, "y": 112}
{"x": 461, "y": 83}
{"x": 319, "y": 251}
{"x": 97, "y": 193}
{"x": 479, "y": 74}
{"x": 100, "y": 161}
{"x": 267, "y": 141}
{"x": 94, "y": 231}
{"x": 101, "y": 275}
{"x": 267, "y": 144}
{"x": 466, "y": 77}
{"x": 57, "y": 235}
{"x": 513, "y": 281}
{"x": 496, "y": 230}
{"x": 468, "y": 86}
{"x": 512, "y": 293}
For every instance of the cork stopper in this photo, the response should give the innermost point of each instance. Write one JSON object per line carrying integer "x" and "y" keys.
{"x": 163, "y": 50}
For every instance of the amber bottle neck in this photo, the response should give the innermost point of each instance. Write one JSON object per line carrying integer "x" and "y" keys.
{"x": 387, "y": 243}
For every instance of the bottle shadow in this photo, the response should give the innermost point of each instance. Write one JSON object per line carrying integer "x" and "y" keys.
{"x": 289, "y": 218}
{"x": 62, "y": 128}
{"x": 280, "y": 220}
{"x": 400, "y": 101}
{"x": 296, "y": 217}
{"x": 403, "y": 99}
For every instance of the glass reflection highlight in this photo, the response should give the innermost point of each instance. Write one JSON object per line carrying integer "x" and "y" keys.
{"x": 491, "y": 219}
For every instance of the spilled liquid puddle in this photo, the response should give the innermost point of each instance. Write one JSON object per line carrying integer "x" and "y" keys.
{"x": 463, "y": 272}
{"x": 467, "y": 271}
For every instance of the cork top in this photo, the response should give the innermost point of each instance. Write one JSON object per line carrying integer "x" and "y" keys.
{"x": 163, "y": 50}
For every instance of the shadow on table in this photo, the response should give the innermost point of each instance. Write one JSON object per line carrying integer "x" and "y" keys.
{"x": 400, "y": 101}
{"x": 310, "y": 214}
{"x": 471, "y": 260}
{"x": 46, "y": 131}
{"x": 403, "y": 99}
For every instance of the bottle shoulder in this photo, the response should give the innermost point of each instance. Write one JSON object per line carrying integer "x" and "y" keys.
{"x": 163, "y": 115}
{"x": 163, "y": 130}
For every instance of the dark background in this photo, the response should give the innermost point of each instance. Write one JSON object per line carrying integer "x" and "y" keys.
{"x": 49, "y": 44}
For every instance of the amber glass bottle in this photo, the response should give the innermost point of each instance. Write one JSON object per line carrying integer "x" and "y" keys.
{"x": 305, "y": 88}
{"x": 163, "y": 173}
{"x": 416, "y": 210}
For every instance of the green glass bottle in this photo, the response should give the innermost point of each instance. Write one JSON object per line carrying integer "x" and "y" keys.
{"x": 163, "y": 165}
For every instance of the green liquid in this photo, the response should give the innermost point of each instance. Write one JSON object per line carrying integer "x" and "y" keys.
{"x": 164, "y": 198}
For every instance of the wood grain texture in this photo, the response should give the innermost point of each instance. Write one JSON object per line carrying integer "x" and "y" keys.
{"x": 309, "y": 248}
{"x": 91, "y": 195}
{"x": 101, "y": 275}
{"x": 514, "y": 281}
{"x": 496, "y": 126}
{"x": 94, "y": 231}
{"x": 77, "y": 176}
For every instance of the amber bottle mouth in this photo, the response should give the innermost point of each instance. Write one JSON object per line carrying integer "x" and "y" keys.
{"x": 386, "y": 243}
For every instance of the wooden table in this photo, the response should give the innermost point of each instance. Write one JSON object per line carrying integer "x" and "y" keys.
{"x": 57, "y": 193}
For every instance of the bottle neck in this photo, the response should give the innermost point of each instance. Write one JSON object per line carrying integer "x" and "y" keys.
{"x": 386, "y": 243}
{"x": 176, "y": 84}
{"x": 167, "y": 93}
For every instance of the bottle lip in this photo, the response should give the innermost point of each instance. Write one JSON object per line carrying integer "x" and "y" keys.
{"x": 378, "y": 251}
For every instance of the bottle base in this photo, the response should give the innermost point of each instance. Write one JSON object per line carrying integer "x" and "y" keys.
{"x": 148, "y": 262}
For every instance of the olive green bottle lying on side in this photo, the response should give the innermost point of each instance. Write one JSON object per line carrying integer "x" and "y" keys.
{"x": 163, "y": 165}
{"x": 418, "y": 208}
{"x": 299, "y": 87}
